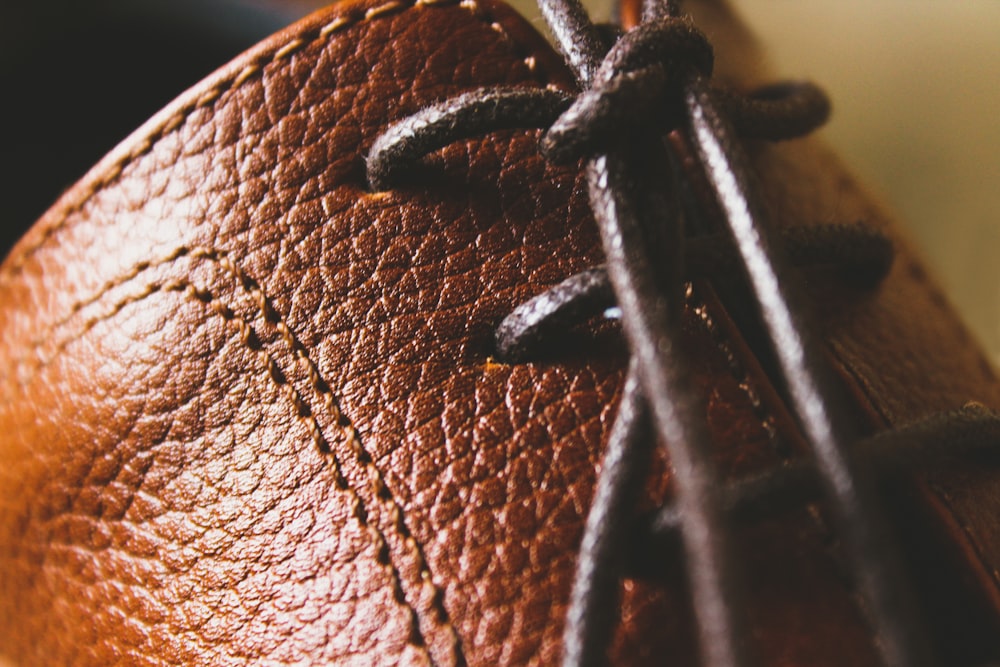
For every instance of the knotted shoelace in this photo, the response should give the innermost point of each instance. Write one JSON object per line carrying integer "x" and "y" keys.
{"x": 644, "y": 95}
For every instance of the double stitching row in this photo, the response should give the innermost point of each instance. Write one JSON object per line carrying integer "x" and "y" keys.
{"x": 322, "y": 395}
{"x": 320, "y": 389}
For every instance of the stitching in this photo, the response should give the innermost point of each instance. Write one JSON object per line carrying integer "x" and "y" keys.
{"x": 917, "y": 273}
{"x": 528, "y": 58}
{"x": 132, "y": 273}
{"x": 387, "y": 8}
{"x": 738, "y": 372}
{"x": 289, "y": 49}
{"x": 17, "y": 263}
{"x": 323, "y": 395}
{"x": 304, "y": 411}
{"x": 974, "y": 542}
{"x": 208, "y": 98}
{"x": 842, "y": 357}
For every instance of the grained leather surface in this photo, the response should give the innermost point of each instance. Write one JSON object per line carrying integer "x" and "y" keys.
{"x": 250, "y": 415}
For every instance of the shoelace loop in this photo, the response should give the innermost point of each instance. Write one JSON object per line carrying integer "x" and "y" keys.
{"x": 635, "y": 89}
{"x": 654, "y": 79}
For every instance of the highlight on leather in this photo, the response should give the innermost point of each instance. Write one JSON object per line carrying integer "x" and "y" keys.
{"x": 314, "y": 368}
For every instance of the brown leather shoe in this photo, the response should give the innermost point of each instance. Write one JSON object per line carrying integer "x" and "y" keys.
{"x": 253, "y": 412}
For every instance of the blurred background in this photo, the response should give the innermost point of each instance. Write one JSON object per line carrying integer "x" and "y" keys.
{"x": 914, "y": 84}
{"x": 916, "y": 98}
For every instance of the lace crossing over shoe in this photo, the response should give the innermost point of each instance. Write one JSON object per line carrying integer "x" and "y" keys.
{"x": 404, "y": 339}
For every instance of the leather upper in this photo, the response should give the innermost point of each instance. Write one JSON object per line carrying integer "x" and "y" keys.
{"x": 250, "y": 413}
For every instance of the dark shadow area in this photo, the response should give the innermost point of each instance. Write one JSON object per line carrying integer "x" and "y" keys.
{"x": 77, "y": 77}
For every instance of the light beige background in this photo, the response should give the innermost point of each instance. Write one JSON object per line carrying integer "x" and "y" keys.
{"x": 916, "y": 107}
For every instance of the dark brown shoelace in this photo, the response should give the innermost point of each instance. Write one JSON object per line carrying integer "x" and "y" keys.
{"x": 648, "y": 82}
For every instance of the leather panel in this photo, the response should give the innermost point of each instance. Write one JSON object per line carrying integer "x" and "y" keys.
{"x": 250, "y": 412}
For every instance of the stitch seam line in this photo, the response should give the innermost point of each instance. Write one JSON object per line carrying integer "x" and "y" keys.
{"x": 382, "y": 493}
{"x": 762, "y": 411}
{"x": 15, "y": 265}
{"x": 986, "y": 565}
{"x": 865, "y": 390}
{"x": 304, "y": 412}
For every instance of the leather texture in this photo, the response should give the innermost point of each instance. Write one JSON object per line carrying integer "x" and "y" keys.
{"x": 249, "y": 413}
